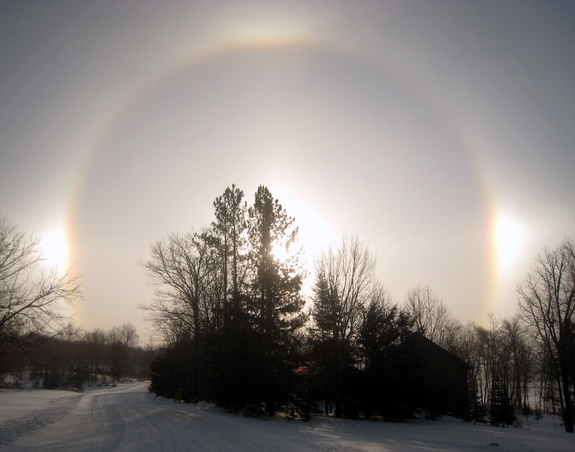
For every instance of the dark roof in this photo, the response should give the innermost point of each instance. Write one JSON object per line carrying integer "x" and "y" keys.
{"x": 420, "y": 341}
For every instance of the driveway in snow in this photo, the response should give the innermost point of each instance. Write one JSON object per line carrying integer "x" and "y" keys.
{"x": 129, "y": 418}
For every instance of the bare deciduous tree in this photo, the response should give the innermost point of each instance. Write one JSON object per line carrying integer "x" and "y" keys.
{"x": 519, "y": 360}
{"x": 344, "y": 285}
{"x": 181, "y": 267}
{"x": 547, "y": 304}
{"x": 122, "y": 340}
{"x": 345, "y": 280}
{"x": 431, "y": 315}
{"x": 30, "y": 296}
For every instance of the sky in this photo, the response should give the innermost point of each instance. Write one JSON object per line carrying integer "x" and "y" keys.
{"x": 440, "y": 132}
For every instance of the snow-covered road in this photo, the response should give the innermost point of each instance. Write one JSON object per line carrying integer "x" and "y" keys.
{"x": 129, "y": 418}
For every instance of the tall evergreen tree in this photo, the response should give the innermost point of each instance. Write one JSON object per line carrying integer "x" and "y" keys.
{"x": 383, "y": 327}
{"x": 276, "y": 303}
{"x": 229, "y": 231}
{"x": 229, "y": 299}
{"x": 233, "y": 347}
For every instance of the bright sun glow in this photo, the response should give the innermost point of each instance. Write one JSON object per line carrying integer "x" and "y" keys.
{"x": 54, "y": 248}
{"x": 508, "y": 235}
{"x": 280, "y": 253}
{"x": 315, "y": 233}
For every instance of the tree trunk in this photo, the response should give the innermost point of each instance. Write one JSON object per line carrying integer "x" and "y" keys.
{"x": 567, "y": 402}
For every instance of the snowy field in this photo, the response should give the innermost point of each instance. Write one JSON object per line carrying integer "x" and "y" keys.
{"x": 128, "y": 418}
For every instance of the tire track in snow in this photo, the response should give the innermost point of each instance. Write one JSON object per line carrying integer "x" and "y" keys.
{"x": 12, "y": 429}
{"x": 110, "y": 424}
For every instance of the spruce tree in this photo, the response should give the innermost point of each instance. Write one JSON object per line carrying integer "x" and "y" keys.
{"x": 478, "y": 411}
{"x": 501, "y": 413}
{"x": 383, "y": 328}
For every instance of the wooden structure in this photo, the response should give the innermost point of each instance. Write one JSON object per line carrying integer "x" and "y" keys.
{"x": 442, "y": 377}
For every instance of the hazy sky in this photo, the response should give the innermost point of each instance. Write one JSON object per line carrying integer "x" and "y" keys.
{"x": 441, "y": 131}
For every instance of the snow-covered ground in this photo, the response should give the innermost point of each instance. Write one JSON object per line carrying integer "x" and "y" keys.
{"x": 129, "y": 418}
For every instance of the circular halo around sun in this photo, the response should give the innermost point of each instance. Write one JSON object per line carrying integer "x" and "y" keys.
{"x": 331, "y": 129}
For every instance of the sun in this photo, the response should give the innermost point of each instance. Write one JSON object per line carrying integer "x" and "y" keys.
{"x": 54, "y": 249}
{"x": 508, "y": 236}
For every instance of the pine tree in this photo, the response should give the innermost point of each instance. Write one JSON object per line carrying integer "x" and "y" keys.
{"x": 229, "y": 238}
{"x": 236, "y": 352}
{"x": 276, "y": 303}
{"x": 229, "y": 302}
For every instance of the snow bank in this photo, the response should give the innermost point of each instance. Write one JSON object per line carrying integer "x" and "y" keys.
{"x": 22, "y": 411}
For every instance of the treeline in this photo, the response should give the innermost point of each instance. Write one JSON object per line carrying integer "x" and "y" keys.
{"x": 237, "y": 331}
{"x": 528, "y": 361}
{"x": 230, "y": 310}
{"x": 76, "y": 358}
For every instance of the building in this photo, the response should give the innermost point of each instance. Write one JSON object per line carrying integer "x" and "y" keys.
{"x": 439, "y": 378}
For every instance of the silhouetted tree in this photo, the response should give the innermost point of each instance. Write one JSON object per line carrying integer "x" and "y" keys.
{"x": 344, "y": 284}
{"x": 229, "y": 233}
{"x": 501, "y": 413}
{"x": 122, "y": 340}
{"x": 30, "y": 295}
{"x": 547, "y": 304}
{"x": 94, "y": 350}
{"x": 432, "y": 317}
{"x": 384, "y": 326}
{"x": 235, "y": 356}
{"x": 275, "y": 299}
{"x": 234, "y": 298}
{"x": 518, "y": 358}
{"x": 181, "y": 268}
{"x": 477, "y": 411}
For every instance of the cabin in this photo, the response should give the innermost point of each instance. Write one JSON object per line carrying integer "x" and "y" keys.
{"x": 440, "y": 377}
